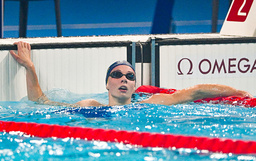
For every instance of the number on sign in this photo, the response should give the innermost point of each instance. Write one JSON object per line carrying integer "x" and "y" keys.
{"x": 239, "y": 10}
{"x": 240, "y": 13}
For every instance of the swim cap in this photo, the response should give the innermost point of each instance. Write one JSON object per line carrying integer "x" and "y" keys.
{"x": 115, "y": 64}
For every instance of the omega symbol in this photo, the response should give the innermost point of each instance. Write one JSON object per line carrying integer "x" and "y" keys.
{"x": 190, "y": 67}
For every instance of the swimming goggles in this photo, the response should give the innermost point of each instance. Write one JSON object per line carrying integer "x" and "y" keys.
{"x": 118, "y": 74}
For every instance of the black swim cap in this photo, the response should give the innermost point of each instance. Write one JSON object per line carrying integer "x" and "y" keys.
{"x": 115, "y": 64}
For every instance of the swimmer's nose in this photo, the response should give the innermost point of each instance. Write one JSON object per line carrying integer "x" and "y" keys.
{"x": 124, "y": 80}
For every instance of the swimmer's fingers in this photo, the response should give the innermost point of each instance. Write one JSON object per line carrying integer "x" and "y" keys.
{"x": 14, "y": 55}
{"x": 15, "y": 43}
{"x": 28, "y": 46}
{"x": 249, "y": 95}
{"x": 23, "y": 54}
{"x": 22, "y": 45}
{"x": 246, "y": 94}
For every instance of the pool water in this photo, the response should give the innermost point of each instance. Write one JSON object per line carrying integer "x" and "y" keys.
{"x": 210, "y": 120}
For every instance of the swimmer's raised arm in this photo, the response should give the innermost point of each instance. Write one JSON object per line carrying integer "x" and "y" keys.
{"x": 196, "y": 92}
{"x": 23, "y": 57}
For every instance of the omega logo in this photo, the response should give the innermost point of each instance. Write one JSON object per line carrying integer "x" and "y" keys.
{"x": 206, "y": 66}
{"x": 190, "y": 68}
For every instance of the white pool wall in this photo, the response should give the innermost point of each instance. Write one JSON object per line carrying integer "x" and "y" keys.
{"x": 82, "y": 70}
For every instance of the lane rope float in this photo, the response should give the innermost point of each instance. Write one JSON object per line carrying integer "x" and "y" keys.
{"x": 142, "y": 139}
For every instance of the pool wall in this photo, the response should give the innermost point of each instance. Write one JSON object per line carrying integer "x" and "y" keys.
{"x": 79, "y": 64}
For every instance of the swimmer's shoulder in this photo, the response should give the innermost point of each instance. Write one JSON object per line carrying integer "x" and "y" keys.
{"x": 89, "y": 102}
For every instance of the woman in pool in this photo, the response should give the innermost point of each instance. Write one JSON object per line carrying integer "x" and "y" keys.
{"x": 120, "y": 83}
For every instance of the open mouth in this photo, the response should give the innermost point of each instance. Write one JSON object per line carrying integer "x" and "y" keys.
{"x": 123, "y": 88}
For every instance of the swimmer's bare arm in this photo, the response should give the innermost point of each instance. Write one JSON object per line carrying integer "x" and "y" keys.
{"x": 23, "y": 57}
{"x": 195, "y": 93}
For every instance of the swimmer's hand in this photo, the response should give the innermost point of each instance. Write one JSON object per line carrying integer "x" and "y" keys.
{"x": 23, "y": 56}
{"x": 241, "y": 93}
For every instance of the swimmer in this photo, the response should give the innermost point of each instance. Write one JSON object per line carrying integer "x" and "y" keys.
{"x": 120, "y": 83}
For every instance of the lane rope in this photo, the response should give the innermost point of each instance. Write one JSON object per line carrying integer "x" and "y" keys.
{"x": 141, "y": 139}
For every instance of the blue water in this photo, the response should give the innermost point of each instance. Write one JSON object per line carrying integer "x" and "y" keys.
{"x": 222, "y": 121}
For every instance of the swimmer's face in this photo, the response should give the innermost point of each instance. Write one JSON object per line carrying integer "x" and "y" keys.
{"x": 121, "y": 87}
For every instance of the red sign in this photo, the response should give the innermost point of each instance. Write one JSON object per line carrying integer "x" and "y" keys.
{"x": 239, "y": 10}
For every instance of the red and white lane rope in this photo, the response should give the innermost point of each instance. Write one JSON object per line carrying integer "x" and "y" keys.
{"x": 143, "y": 139}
